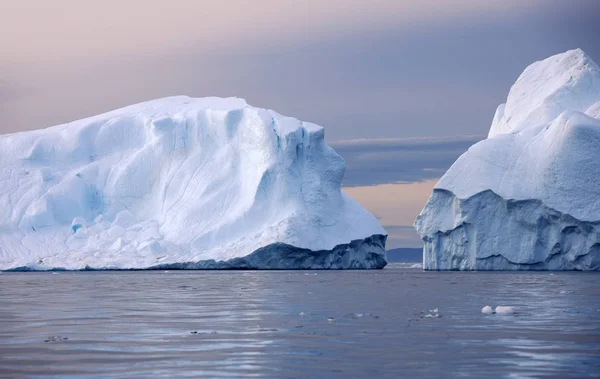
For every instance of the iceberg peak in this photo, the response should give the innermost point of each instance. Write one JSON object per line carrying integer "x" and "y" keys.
{"x": 545, "y": 89}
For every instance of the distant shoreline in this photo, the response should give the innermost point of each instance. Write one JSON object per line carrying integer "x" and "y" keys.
{"x": 405, "y": 254}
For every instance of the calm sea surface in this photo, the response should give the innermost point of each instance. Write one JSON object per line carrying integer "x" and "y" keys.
{"x": 295, "y": 324}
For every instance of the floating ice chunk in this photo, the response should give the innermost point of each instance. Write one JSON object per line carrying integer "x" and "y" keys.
{"x": 504, "y": 310}
{"x": 433, "y": 313}
{"x": 487, "y": 310}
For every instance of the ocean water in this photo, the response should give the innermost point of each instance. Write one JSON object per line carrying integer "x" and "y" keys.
{"x": 296, "y": 324}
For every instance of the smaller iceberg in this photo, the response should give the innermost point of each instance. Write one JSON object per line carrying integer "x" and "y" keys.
{"x": 527, "y": 197}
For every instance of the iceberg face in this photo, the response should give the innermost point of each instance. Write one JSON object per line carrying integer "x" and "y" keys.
{"x": 180, "y": 181}
{"x": 528, "y": 197}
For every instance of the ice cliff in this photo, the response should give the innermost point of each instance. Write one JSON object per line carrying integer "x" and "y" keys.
{"x": 180, "y": 183}
{"x": 527, "y": 197}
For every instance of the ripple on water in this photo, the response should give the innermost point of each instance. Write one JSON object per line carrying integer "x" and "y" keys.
{"x": 394, "y": 322}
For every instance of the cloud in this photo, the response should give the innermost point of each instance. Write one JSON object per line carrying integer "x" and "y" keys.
{"x": 396, "y": 206}
{"x": 67, "y": 29}
{"x": 372, "y": 162}
{"x": 402, "y": 236}
{"x": 360, "y": 69}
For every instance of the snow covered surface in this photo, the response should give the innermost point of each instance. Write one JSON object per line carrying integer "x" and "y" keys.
{"x": 183, "y": 183}
{"x": 500, "y": 310}
{"x": 563, "y": 82}
{"x": 528, "y": 197}
{"x": 504, "y": 310}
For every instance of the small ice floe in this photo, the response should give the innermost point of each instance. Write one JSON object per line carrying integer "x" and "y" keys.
{"x": 302, "y": 314}
{"x": 330, "y": 319}
{"x": 55, "y": 273}
{"x": 504, "y": 310}
{"x": 566, "y": 292}
{"x": 487, "y": 310}
{"x": 306, "y": 273}
{"x": 433, "y": 313}
{"x": 406, "y": 265}
{"x": 166, "y": 272}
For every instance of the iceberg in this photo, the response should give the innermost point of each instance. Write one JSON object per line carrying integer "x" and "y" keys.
{"x": 179, "y": 182}
{"x": 528, "y": 196}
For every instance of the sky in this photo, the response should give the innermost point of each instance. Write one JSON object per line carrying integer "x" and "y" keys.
{"x": 402, "y": 87}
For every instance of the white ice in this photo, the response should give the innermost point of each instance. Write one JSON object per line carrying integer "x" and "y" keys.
{"x": 528, "y": 197}
{"x": 504, "y": 310}
{"x": 174, "y": 180}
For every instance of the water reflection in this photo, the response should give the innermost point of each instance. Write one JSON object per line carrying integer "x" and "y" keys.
{"x": 290, "y": 324}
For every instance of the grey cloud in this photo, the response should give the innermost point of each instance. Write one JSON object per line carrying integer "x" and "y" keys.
{"x": 402, "y": 236}
{"x": 410, "y": 79}
{"x": 399, "y": 160}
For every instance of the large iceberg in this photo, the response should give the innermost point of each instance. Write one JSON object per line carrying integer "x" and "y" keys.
{"x": 180, "y": 183}
{"x": 527, "y": 197}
